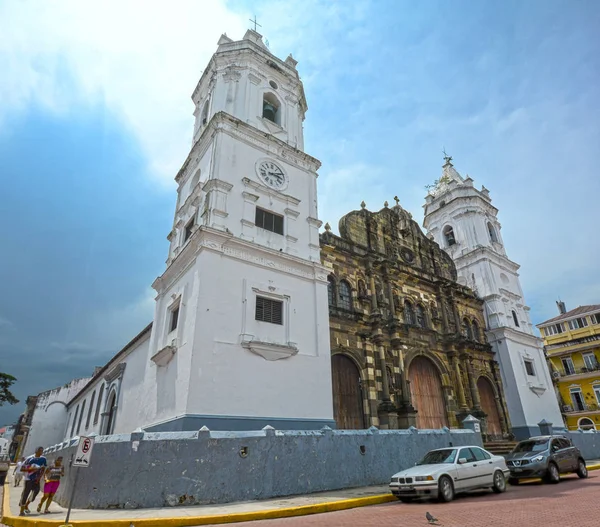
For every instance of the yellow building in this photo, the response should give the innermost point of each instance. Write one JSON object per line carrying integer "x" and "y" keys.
{"x": 572, "y": 344}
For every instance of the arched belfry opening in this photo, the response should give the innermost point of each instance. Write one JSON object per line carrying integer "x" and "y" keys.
{"x": 271, "y": 108}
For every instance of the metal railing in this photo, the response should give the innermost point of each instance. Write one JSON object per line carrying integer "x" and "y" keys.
{"x": 579, "y": 371}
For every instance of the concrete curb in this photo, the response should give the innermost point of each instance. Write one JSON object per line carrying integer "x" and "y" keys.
{"x": 187, "y": 521}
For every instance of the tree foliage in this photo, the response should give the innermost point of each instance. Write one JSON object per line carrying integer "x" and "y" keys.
{"x": 6, "y": 397}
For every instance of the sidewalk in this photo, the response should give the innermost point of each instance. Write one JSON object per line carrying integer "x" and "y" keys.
{"x": 196, "y": 515}
{"x": 200, "y": 514}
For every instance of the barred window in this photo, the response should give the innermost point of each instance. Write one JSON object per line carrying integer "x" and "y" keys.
{"x": 409, "y": 314}
{"x": 331, "y": 290}
{"x": 345, "y": 295}
{"x": 420, "y": 315}
{"x": 268, "y": 221}
{"x": 268, "y": 310}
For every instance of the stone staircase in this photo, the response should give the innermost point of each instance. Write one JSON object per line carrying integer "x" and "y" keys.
{"x": 499, "y": 448}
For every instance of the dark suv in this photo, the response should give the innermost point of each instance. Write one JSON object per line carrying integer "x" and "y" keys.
{"x": 547, "y": 457}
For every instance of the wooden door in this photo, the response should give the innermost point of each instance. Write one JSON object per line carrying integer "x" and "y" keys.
{"x": 427, "y": 394}
{"x": 347, "y": 394}
{"x": 489, "y": 406}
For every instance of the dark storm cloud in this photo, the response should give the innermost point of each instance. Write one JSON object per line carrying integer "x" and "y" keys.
{"x": 82, "y": 236}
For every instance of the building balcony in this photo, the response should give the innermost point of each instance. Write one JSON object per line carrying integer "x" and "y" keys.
{"x": 581, "y": 409}
{"x": 584, "y": 372}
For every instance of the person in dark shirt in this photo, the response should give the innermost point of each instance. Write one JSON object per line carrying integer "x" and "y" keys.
{"x": 33, "y": 468}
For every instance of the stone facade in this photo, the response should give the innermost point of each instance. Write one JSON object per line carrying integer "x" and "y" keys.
{"x": 394, "y": 303}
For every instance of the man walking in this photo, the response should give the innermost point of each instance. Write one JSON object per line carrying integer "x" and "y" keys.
{"x": 34, "y": 468}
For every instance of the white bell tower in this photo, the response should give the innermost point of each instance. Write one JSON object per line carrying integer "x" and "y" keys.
{"x": 463, "y": 221}
{"x": 241, "y": 329}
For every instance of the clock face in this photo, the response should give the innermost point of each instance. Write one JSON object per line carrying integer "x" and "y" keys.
{"x": 272, "y": 174}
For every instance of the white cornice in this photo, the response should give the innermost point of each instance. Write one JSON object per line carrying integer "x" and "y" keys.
{"x": 486, "y": 253}
{"x": 207, "y": 238}
{"x": 286, "y": 198}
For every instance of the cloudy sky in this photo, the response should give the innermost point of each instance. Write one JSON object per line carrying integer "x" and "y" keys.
{"x": 96, "y": 119}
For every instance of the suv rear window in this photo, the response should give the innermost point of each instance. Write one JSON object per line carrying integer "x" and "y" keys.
{"x": 537, "y": 445}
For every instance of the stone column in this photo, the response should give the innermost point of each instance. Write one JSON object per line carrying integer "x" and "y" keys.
{"x": 502, "y": 410}
{"x": 373, "y": 289}
{"x": 407, "y": 415}
{"x": 446, "y": 327}
{"x": 388, "y": 418}
{"x": 462, "y": 401}
{"x": 472, "y": 384}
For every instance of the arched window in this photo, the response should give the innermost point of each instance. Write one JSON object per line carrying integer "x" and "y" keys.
{"x": 204, "y": 118}
{"x": 89, "y": 415}
{"x": 449, "y": 235}
{"x": 99, "y": 405}
{"x": 585, "y": 423}
{"x": 515, "y": 319}
{"x": 112, "y": 409}
{"x": 331, "y": 290}
{"x": 74, "y": 421}
{"x": 420, "y": 314}
{"x": 476, "y": 335}
{"x": 492, "y": 232}
{"x": 345, "y": 295}
{"x": 467, "y": 331}
{"x": 409, "y": 314}
{"x": 271, "y": 108}
{"x": 80, "y": 417}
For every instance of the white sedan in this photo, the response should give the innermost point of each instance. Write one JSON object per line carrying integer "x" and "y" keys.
{"x": 446, "y": 471}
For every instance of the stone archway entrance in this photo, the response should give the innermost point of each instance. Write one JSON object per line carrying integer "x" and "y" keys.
{"x": 347, "y": 394}
{"x": 489, "y": 406}
{"x": 427, "y": 394}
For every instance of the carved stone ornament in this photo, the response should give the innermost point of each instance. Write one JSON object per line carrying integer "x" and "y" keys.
{"x": 407, "y": 255}
{"x": 164, "y": 356}
{"x": 270, "y": 351}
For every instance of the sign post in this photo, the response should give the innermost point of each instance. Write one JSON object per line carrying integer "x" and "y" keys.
{"x": 81, "y": 460}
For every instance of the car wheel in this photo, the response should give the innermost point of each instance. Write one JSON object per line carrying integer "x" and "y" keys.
{"x": 513, "y": 481}
{"x": 553, "y": 475}
{"x": 499, "y": 482}
{"x": 582, "y": 470}
{"x": 445, "y": 489}
{"x": 405, "y": 499}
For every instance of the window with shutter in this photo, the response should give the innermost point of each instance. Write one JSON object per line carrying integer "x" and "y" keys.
{"x": 268, "y": 221}
{"x": 268, "y": 310}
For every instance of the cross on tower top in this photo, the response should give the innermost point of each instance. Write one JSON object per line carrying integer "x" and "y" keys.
{"x": 447, "y": 158}
{"x": 255, "y": 23}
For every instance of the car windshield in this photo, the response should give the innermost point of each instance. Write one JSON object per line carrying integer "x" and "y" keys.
{"x": 435, "y": 457}
{"x": 538, "y": 445}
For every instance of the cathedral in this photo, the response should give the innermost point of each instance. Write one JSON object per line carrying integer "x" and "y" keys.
{"x": 264, "y": 316}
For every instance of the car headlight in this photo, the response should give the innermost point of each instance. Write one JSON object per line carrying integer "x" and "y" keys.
{"x": 424, "y": 478}
{"x": 536, "y": 459}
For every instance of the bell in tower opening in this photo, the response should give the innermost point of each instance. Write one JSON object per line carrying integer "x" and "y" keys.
{"x": 271, "y": 108}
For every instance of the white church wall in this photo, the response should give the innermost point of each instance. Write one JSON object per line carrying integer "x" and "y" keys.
{"x": 228, "y": 379}
{"x": 50, "y": 416}
{"x": 94, "y": 397}
{"x": 166, "y": 384}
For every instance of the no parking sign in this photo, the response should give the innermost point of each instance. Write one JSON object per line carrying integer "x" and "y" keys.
{"x": 84, "y": 452}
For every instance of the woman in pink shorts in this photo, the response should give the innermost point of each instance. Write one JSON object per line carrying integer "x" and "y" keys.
{"x": 53, "y": 474}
